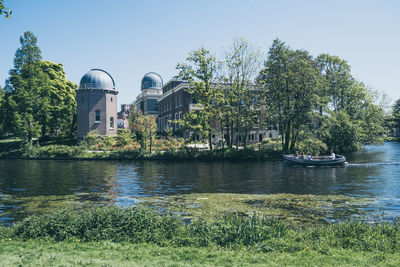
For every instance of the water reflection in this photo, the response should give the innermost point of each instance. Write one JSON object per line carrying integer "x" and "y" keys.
{"x": 373, "y": 173}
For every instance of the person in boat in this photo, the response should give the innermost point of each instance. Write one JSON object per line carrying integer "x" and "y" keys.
{"x": 332, "y": 156}
{"x": 297, "y": 155}
{"x": 303, "y": 156}
{"x": 309, "y": 156}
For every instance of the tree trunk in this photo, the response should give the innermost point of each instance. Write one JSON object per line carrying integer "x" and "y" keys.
{"x": 151, "y": 141}
{"x": 210, "y": 141}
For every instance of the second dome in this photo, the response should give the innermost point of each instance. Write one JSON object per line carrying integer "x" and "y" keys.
{"x": 151, "y": 80}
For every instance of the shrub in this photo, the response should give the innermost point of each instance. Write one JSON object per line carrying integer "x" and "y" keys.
{"x": 124, "y": 137}
{"x": 107, "y": 142}
{"x": 28, "y": 149}
{"x": 92, "y": 138}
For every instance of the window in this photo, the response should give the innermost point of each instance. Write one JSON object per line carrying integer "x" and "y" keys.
{"x": 111, "y": 122}
{"x": 97, "y": 119}
{"x": 152, "y": 105}
{"x": 111, "y": 99}
{"x": 82, "y": 99}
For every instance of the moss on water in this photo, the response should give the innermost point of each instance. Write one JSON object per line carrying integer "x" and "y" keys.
{"x": 297, "y": 210}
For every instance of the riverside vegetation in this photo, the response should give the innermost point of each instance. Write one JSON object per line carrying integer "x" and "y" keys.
{"x": 126, "y": 147}
{"x": 126, "y": 236}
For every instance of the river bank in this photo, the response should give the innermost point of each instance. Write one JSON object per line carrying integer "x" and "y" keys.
{"x": 139, "y": 236}
{"x": 67, "y": 150}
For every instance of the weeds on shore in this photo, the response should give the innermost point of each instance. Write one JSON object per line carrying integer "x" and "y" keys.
{"x": 142, "y": 225}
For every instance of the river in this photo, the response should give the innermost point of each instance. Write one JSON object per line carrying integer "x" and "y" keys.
{"x": 27, "y": 186}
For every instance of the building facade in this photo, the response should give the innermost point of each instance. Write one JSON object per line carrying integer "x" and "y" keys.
{"x": 175, "y": 102}
{"x": 96, "y": 101}
{"x": 150, "y": 91}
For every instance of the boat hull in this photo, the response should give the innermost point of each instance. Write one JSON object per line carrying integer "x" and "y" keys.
{"x": 340, "y": 160}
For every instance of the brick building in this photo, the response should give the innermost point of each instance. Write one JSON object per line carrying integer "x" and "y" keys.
{"x": 96, "y": 101}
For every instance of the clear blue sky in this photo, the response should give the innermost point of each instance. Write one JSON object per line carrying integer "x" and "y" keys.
{"x": 130, "y": 38}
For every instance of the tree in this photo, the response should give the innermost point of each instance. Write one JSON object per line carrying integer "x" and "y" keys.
{"x": 238, "y": 102}
{"x": 348, "y": 96}
{"x": 38, "y": 98}
{"x": 396, "y": 114}
{"x": 145, "y": 127}
{"x": 290, "y": 82}
{"x": 200, "y": 72}
{"x": 4, "y": 10}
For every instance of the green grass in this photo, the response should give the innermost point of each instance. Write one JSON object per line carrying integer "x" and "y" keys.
{"x": 104, "y": 253}
{"x": 113, "y": 236}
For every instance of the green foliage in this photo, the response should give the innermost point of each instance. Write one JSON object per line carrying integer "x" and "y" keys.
{"x": 312, "y": 145}
{"x": 141, "y": 225}
{"x": 290, "y": 83}
{"x": 396, "y": 114}
{"x": 4, "y": 10}
{"x": 107, "y": 142}
{"x": 29, "y": 149}
{"x": 145, "y": 128}
{"x": 39, "y": 100}
{"x": 92, "y": 138}
{"x": 124, "y": 137}
{"x": 102, "y": 223}
{"x": 200, "y": 71}
{"x": 341, "y": 134}
{"x": 239, "y": 105}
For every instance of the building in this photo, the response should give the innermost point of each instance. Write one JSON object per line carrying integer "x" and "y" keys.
{"x": 151, "y": 90}
{"x": 96, "y": 101}
{"x": 123, "y": 116}
{"x": 175, "y": 102}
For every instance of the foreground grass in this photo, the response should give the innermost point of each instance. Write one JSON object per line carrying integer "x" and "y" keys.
{"x": 113, "y": 236}
{"x": 73, "y": 253}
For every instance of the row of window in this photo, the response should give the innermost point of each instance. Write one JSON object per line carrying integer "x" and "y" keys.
{"x": 167, "y": 121}
{"x": 173, "y": 102}
{"x": 98, "y": 119}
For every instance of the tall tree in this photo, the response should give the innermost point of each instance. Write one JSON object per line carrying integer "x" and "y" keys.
{"x": 39, "y": 100}
{"x": 348, "y": 96}
{"x": 290, "y": 81}
{"x": 241, "y": 65}
{"x": 200, "y": 72}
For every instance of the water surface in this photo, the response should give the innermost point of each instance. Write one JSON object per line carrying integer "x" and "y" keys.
{"x": 27, "y": 185}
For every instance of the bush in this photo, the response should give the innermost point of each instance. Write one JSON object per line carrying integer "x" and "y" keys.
{"x": 28, "y": 149}
{"x": 143, "y": 225}
{"x": 92, "y": 138}
{"x": 107, "y": 142}
{"x": 124, "y": 137}
{"x": 312, "y": 145}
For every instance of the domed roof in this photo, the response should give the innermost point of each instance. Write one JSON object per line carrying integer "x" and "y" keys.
{"x": 151, "y": 80}
{"x": 97, "y": 79}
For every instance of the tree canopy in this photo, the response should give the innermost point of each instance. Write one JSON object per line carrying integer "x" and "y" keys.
{"x": 39, "y": 101}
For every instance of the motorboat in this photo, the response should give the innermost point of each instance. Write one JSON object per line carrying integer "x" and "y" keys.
{"x": 315, "y": 161}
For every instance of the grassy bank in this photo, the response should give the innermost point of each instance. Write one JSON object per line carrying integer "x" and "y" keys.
{"x": 116, "y": 236}
{"x": 105, "y": 253}
{"x": 66, "y": 149}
